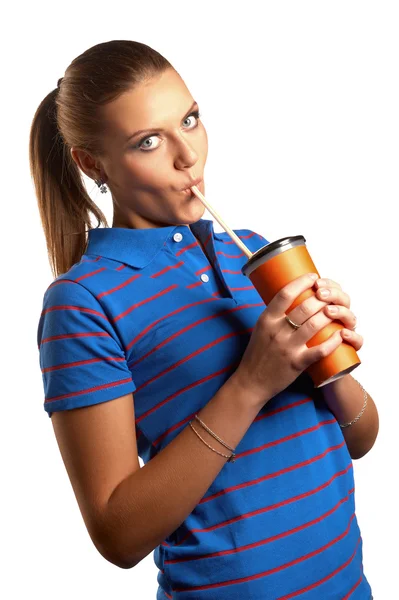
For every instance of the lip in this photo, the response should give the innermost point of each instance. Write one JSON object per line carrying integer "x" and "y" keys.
{"x": 187, "y": 190}
{"x": 188, "y": 193}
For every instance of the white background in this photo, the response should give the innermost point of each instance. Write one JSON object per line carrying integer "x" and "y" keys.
{"x": 300, "y": 100}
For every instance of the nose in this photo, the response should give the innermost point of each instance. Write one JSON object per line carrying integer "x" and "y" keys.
{"x": 186, "y": 156}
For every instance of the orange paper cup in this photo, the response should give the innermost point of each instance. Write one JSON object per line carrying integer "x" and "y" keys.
{"x": 270, "y": 269}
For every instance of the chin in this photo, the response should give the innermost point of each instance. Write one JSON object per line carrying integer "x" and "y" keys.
{"x": 198, "y": 212}
{"x": 193, "y": 212}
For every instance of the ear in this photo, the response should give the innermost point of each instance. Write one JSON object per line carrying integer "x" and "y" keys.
{"x": 87, "y": 163}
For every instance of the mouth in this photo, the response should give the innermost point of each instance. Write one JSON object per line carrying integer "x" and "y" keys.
{"x": 188, "y": 191}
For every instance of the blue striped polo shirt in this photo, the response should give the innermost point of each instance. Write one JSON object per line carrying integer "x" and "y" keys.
{"x": 147, "y": 311}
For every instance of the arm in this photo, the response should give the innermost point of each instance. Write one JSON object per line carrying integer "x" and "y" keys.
{"x": 345, "y": 399}
{"x": 127, "y": 510}
{"x": 152, "y": 502}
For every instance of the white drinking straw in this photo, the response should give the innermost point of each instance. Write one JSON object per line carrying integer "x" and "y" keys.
{"x": 219, "y": 219}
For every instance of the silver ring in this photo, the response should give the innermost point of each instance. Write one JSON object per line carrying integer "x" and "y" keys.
{"x": 294, "y": 325}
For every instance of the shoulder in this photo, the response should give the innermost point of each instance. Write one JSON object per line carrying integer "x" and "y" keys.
{"x": 84, "y": 280}
{"x": 252, "y": 239}
{"x": 67, "y": 306}
{"x": 65, "y": 291}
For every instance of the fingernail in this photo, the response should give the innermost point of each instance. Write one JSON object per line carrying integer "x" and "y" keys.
{"x": 325, "y": 293}
{"x": 346, "y": 333}
{"x": 332, "y": 309}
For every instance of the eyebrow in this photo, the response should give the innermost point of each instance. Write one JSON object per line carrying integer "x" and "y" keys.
{"x": 149, "y": 131}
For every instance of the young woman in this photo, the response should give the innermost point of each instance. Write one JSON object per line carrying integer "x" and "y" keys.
{"x": 154, "y": 344}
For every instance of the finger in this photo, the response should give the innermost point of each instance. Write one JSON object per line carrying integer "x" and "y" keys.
{"x": 335, "y": 295}
{"x": 327, "y": 283}
{"x": 283, "y": 299}
{"x": 353, "y": 338}
{"x": 307, "y": 309}
{"x": 310, "y": 328}
{"x": 346, "y": 316}
{"x": 315, "y": 353}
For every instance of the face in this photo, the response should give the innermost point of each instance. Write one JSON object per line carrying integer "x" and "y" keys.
{"x": 146, "y": 171}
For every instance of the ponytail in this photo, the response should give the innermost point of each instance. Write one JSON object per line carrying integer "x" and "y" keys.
{"x": 63, "y": 202}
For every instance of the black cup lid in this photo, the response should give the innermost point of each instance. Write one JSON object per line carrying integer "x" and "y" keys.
{"x": 277, "y": 244}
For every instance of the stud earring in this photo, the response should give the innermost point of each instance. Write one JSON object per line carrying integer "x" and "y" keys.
{"x": 101, "y": 185}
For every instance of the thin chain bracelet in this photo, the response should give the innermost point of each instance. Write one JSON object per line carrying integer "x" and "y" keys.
{"x": 361, "y": 412}
{"x": 214, "y": 434}
{"x": 231, "y": 458}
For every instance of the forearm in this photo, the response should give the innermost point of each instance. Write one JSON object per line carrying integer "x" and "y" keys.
{"x": 150, "y": 504}
{"x": 345, "y": 398}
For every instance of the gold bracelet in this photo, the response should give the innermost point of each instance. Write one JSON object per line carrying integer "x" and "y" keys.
{"x": 231, "y": 458}
{"x": 361, "y": 412}
{"x": 214, "y": 434}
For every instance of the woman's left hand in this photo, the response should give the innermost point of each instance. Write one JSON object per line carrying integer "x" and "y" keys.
{"x": 339, "y": 300}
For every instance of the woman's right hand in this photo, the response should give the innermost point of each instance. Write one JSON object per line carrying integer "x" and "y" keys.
{"x": 277, "y": 353}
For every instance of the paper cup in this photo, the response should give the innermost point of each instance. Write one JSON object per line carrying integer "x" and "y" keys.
{"x": 270, "y": 269}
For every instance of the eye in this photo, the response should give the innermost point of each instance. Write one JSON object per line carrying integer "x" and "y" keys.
{"x": 196, "y": 114}
{"x": 146, "y": 147}
{"x": 142, "y": 145}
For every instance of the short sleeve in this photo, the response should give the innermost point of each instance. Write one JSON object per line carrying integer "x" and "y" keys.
{"x": 81, "y": 357}
{"x": 253, "y": 240}
{"x": 260, "y": 240}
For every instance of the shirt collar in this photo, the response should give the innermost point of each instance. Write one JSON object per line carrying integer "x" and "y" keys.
{"x": 138, "y": 247}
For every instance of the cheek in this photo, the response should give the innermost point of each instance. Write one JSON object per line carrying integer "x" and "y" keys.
{"x": 143, "y": 171}
{"x": 203, "y": 150}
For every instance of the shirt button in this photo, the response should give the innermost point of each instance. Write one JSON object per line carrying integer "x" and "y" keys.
{"x": 204, "y": 277}
{"x": 178, "y": 237}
